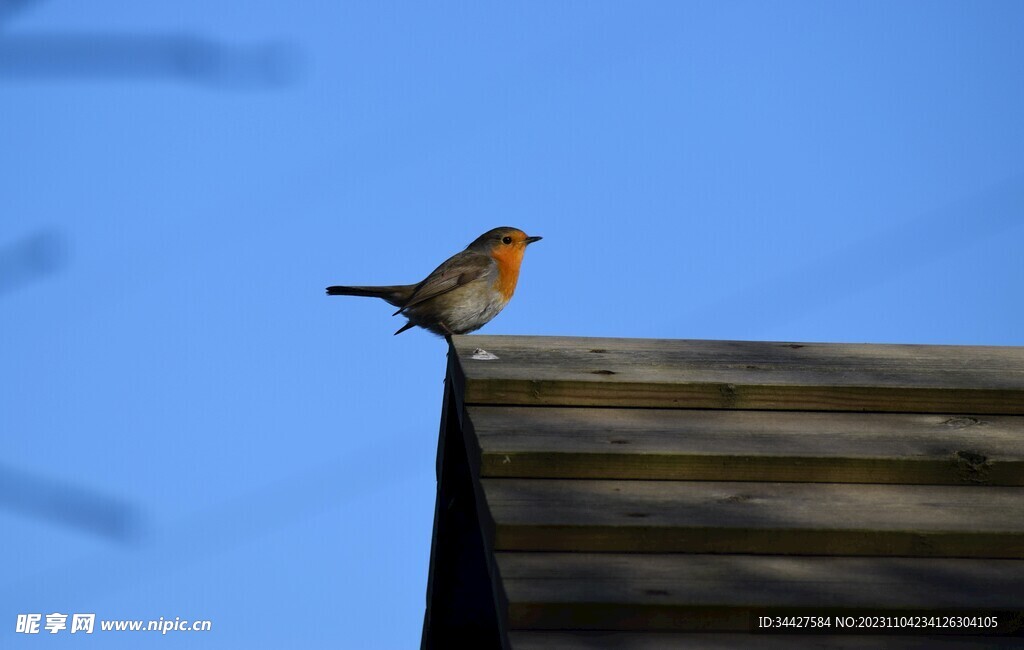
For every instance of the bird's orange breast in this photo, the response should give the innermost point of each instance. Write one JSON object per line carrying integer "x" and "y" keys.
{"x": 508, "y": 259}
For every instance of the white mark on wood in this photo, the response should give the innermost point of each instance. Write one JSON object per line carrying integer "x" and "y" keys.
{"x": 481, "y": 354}
{"x": 506, "y": 460}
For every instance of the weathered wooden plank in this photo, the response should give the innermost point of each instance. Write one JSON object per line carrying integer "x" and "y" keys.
{"x": 737, "y": 517}
{"x": 562, "y": 371}
{"x": 561, "y": 640}
{"x": 611, "y": 591}
{"x": 697, "y": 444}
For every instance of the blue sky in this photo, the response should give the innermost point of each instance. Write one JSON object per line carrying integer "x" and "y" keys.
{"x": 193, "y": 429}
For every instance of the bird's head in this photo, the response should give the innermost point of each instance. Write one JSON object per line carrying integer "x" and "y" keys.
{"x": 503, "y": 242}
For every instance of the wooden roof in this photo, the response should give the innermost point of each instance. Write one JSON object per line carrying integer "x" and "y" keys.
{"x": 625, "y": 493}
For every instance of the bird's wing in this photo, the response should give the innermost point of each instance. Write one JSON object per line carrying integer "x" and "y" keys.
{"x": 458, "y": 270}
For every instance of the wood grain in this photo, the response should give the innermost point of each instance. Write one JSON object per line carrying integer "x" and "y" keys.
{"x": 697, "y": 444}
{"x": 662, "y": 489}
{"x": 610, "y": 591}
{"x": 735, "y": 517}
{"x": 557, "y": 371}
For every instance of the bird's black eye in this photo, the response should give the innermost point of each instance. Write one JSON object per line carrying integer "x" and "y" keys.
{"x": 506, "y": 240}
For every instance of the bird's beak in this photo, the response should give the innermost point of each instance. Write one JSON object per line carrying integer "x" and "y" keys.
{"x": 530, "y": 240}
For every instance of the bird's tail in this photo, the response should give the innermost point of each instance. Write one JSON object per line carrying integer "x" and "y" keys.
{"x": 397, "y": 295}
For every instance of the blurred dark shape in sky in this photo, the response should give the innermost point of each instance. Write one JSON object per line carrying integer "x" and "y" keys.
{"x": 69, "y": 505}
{"x": 34, "y": 257}
{"x": 180, "y": 57}
{"x": 11, "y": 7}
{"x": 259, "y": 512}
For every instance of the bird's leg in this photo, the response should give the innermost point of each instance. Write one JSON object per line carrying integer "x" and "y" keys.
{"x": 447, "y": 335}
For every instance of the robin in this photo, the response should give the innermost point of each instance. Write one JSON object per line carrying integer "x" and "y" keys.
{"x": 465, "y": 292}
